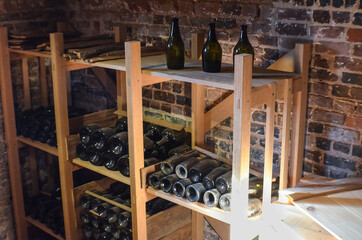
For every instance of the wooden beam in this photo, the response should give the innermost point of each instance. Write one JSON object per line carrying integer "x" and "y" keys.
{"x": 106, "y": 81}
{"x": 197, "y": 226}
{"x": 26, "y": 83}
{"x": 43, "y": 82}
{"x": 301, "y": 61}
{"x": 62, "y": 126}
{"x": 135, "y": 137}
{"x": 241, "y": 146}
{"x": 219, "y": 113}
{"x": 69, "y": 88}
{"x": 120, "y": 35}
{"x": 285, "y": 63}
{"x": 222, "y": 229}
{"x": 10, "y": 135}
{"x": 284, "y": 156}
{"x": 197, "y": 43}
{"x": 197, "y": 114}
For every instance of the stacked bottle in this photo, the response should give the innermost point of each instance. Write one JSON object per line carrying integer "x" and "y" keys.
{"x": 39, "y": 124}
{"x": 102, "y": 220}
{"x": 202, "y": 179}
{"x": 108, "y": 146}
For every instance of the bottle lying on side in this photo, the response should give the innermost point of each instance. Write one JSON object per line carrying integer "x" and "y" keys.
{"x": 254, "y": 204}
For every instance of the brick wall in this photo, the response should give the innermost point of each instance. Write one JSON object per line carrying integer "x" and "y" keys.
{"x": 21, "y": 16}
{"x": 334, "y": 124}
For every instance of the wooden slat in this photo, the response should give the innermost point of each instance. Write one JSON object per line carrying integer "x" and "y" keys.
{"x": 183, "y": 233}
{"x": 122, "y": 206}
{"x": 135, "y": 137}
{"x": 33, "y": 53}
{"x": 43, "y": 82}
{"x": 72, "y": 66}
{"x": 197, "y": 114}
{"x": 121, "y": 91}
{"x": 301, "y": 61}
{"x": 197, "y": 225}
{"x": 149, "y": 80}
{"x": 285, "y": 63}
{"x": 69, "y": 88}
{"x": 197, "y": 43}
{"x": 241, "y": 145}
{"x": 26, "y": 83}
{"x": 62, "y": 125}
{"x": 106, "y": 81}
{"x": 44, "y": 228}
{"x": 284, "y": 156}
{"x": 39, "y": 145}
{"x": 10, "y": 135}
{"x": 116, "y": 175}
{"x": 219, "y": 113}
{"x": 269, "y": 149}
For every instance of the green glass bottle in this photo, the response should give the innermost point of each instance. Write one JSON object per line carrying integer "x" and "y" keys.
{"x": 175, "y": 51}
{"x": 243, "y": 45}
{"x": 212, "y": 52}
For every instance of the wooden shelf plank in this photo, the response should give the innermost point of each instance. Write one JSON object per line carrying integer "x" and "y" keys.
{"x": 39, "y": 145}
{"x": 33, "y": 53}
{"x": 102, "y": 170}
{"x": 214, "y": 212}
{"x": 122, "y": 206}
{"x": 44, "y": 228}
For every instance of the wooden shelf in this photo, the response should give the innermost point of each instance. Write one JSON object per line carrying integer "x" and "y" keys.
{"x": 213, "y": 212}
{"x": 39, "y": 145}
{"x": 44, "y": 228}
{"x": 102, "y": 170}
{"x": 122, "y": 206}
{"x": 33, "y": 52}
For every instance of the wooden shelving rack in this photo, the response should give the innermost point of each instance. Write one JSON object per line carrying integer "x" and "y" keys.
{"x": 286, "y": 79}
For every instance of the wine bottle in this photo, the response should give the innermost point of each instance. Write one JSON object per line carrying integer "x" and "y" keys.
{"x": 201, "y": 169}
{"x": 155, "y": 178}
{"x": 150, "y": 161}
{"x": 123, "y": 165}
{"x": 103, "y": 209}
{"x": 243, "y": 45}
{"x": 96, "y": 234}
{"x": 121, "y": 125}
{"x": 210, "y": 178}
{"x": 93, "y": 156}
{"x": 179, "y": 150}
{"x": 172, "y": 138}
{"x": 223, "y": 183}
{"x": 87, "y": 231}
{"x": 106, "y": 235}
{"x": 110, "y": 161}
{"x": 149, "y": 147}
{"x": 211, "y": 198}
{"x": 255, "y": 187}
{"x": 225, "y": 201}
{"x": 52, "y": 139}
{"x": 179, "y": 187}
{"x": 175, "y": 51}
{"x": 85, "y": 217}
{"x": 124, "y": 219}
{"x": 86, "y": 134}
{"x": 117, "y": 188}
{"x": 212, "y": 52}
{"x": 112, "y": 214}
{"x": 86, "y": 201}
{"x": 154, "y": 132}
{"x": 254, "y": 204}
{"x": 101, "y": 136}
{"x": 81, "y": 151}
{"x": 95, "y": 203}
{"x": 168, "y": 166}
{"x": 167, "y": 182}
{"x": 118, "y": 143}
{"x": 195, "y": 192}
{"x": 182, "y": 169}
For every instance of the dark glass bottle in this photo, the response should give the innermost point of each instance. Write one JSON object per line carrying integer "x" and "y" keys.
{"x": 148, "y": 147}
{"x": 154, "y": 132}
{"x": 169, "y": 165}
{"x": 172, "y": 138}
{"x": 95, "y": 203}
{"x": 85, "y": 217}
{"x": 87, "y": 231}
{"x": 167, "y": 182}
{"x": 81, "y": 151}
{"x": 103, "y": 209}
{"x": 223, "y": 183}
{"x": 121, "y": 125}
{"x": 86, "y": 201}
{"x": 93, "y": 156}
{"x": 212, "y": 52}
{"x": 154, "y": 179}
{"x": 200, "y": 170}
{"x": 86, "y": 134}
{"x": 210, "y": 178}
{"x": 124, "y": 219}
{"x": 179, "y": 187}
{"x": 179, "y": 150}
{"x": 110, "y": 161}
{"x": 150, "y": 161}
{"x": 100, "y": 138}
{"x": 112, "y": 214}
{"x": 175, "y": 51}
{"x": 195, "y": 192}
{"x": 243, "y": 45}
{"x": 182, "y": 169}
{"x": 123, "y": 165}
{"x": 118, "y": 143}
{"x": 211, "y": 198}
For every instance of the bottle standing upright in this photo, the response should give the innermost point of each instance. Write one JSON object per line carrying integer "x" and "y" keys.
{"x": 212, "y": 52}
{"x": 243, "y": 45}
{"x": 175, "y": 51}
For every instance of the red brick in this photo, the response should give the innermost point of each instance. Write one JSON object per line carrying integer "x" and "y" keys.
{"x": 320, "y": 101}
{"x": 294, "y": 14}
{"x": 320, "y": 88}
{"x": 249, "y": 10}
{"x": 354, "y": 35}
{"x": 327, "y": 32}
{"x": 356, "y": 93}
{"x": 344, "y": 106}
{"x": 333, "y": 48}
{"x": 207, "y": 8}
{"x": 185, "y": 6}
{"x": 353, "y": 122}
{"x": 357, "y": 50}
{"x": 328, "y": 116}
{"x": 353, "y": 64}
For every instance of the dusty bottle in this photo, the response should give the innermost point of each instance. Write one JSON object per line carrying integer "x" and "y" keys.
{"x": 95, "y": 203}
{"x": 243, "y": 45}
{"x": 86, "y": 134}
{"x": 155, "y": 178}
{"x": 255, "y": 187}
{"x": 211, "y": 197}
{"x": 172, "y": 138}
{"x": 212, "y": 52}
{"x": 179, "y": 187}
{"x": 81, "y": 151}
{"x": 103, "y": 209}
{"x": 254, "y": 204}
{"x": 182, "y": 169}
{"x": 154, "y": 132}
{"x": 150, "y": 161}
{"x": 195, "y": 192}
{"x": 100, "y": 138}
{"x": 124, "y": 219}
{"x": 123, "y": 165}
{"x": 112, "y": 214}
{"x": 110, "y": 161}
{"x": 169, "y": 165}
{"x": 167, "y": 182}
{"x": 118, "y": 143}
{"x": 148, "y": 147}
{"x": 179, "y": 150}
{"x": 175, "y": 51}
{"x": 121, "y": 125}
{"x": 87, "y": 231}
{"x": 93, "y": 156}
{"x": 223, "y": 183}
{"x": 210, "y": 178}
{"x": 201, "y": 169}
{"x": 85, "y": 217}
{"x": 86, "y": 201}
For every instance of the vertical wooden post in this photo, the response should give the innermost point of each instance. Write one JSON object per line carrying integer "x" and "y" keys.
{"x": 241, "y": 146}
{"x": 62, "y": 125}
{"x": 120, "y": 35}
{"x": 135, "y": 137}
{"x": 269, "y": 147}
{"x": 26, "y": 83}
{"x": 301, "y": 61}
{"x": 284, "y": 156}
{"x": 10, "y": 135}
{"x": 69, "y": 87}
{"x": 197, "y": 126}
{"x": 43, "y": 82}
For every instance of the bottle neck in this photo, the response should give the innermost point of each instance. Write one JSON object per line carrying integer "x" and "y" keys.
{"x": 175, "y": 30}
{"x": 244, "y": 35}
{"x": 212, "y": 33}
